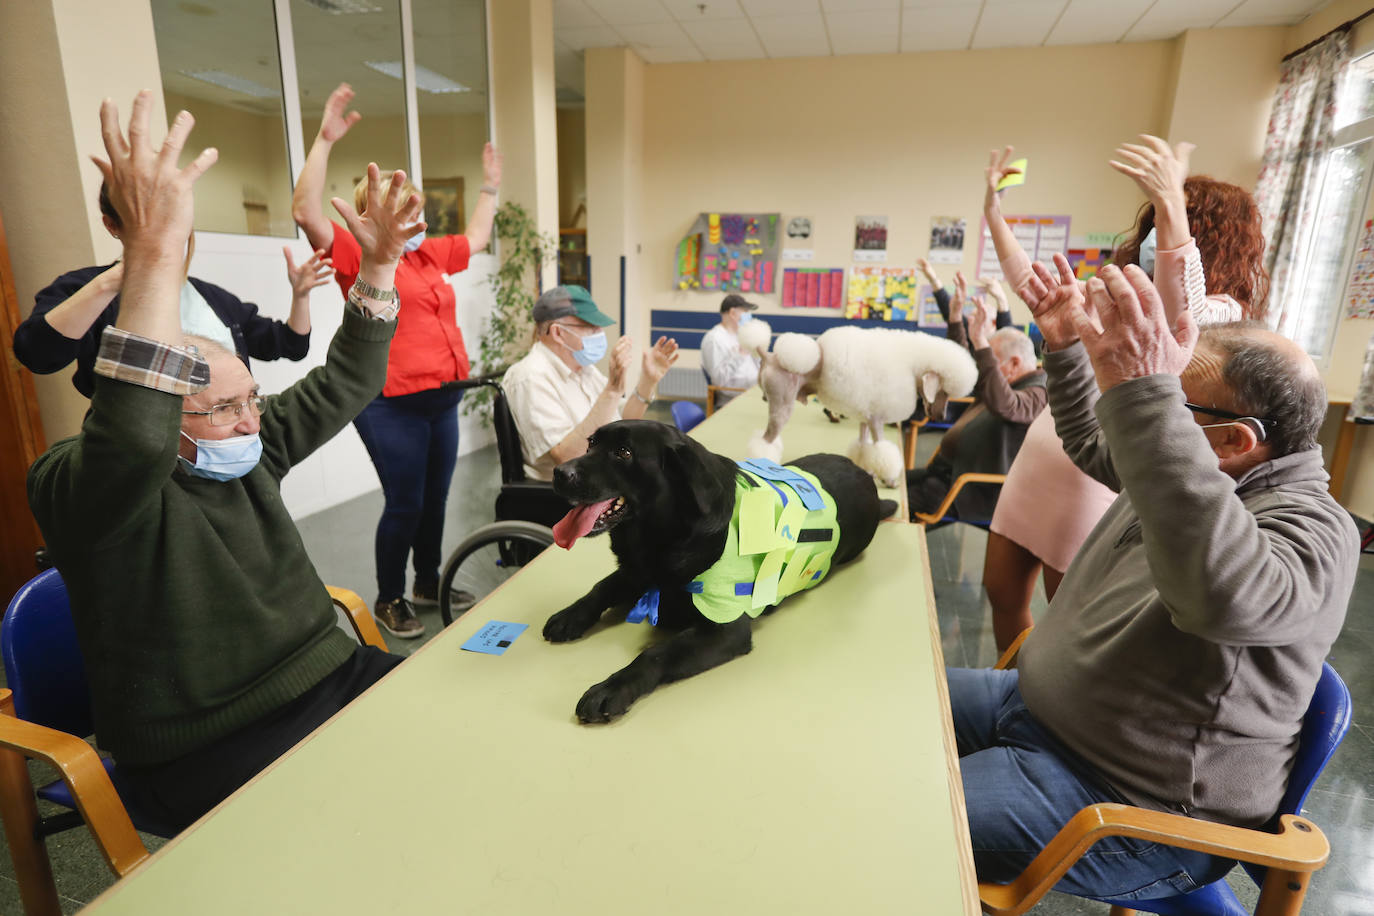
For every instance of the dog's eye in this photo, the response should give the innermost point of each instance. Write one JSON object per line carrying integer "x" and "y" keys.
{"x": 623, "y": 454}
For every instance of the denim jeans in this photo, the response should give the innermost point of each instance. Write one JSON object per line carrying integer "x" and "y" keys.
{"x": 1021, "y": 786}
{"x": 413, "y": 442}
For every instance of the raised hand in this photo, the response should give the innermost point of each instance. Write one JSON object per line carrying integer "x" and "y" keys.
{"x": 993, "y": 287}
{"x": 619, "y": 365}
{"x": 1131, "y": 337}
{"x": 956, "y": 303}
{"x": 491, "y": 165}
{"x": 314, "y": 273}
{"x": 931, "y": 276}
{"x": 659, "y": 358}
{"x": 151, "y": 194}
{"x": 388, "y": 220}
{"x": 1054, "y": 311}
{"x": 998, "y": 168}
{"x": 335, "y": 123}
{"x": 1156, "y": 168}
{"x": 980, "y": 326}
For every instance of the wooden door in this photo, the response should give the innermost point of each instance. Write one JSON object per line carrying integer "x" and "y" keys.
{"x": 21, "y": 441}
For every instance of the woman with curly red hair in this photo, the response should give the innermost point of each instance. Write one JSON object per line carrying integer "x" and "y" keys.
{"x": 1047, "y": 507}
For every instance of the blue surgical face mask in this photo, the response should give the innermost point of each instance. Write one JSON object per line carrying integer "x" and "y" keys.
{"x": 414, "y": 241}
{"x": 224, "y": 459}
{"x": 746, "y": 316}
{"x": 1147, "y": 253}
{"x": 593, "y": 349}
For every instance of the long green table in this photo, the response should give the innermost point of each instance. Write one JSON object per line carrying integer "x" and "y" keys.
{"x": 814, "y": 775}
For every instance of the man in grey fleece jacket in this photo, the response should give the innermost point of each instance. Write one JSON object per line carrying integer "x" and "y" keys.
{"x": 1175, "y": 663}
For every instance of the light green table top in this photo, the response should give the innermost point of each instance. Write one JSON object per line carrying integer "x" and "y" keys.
{"x": 814, "y": 775}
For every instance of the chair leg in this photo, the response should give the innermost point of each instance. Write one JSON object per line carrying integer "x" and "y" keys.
{"x": 19, "y": 811}
{"x": 1282, "y": 893}
{"x": 1121, "y": 911}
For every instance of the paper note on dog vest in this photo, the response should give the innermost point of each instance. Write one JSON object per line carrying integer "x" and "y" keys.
{"x": 494, "y": 638}
{"x": 756, "y": 531}
{"x": 766, "y": 585}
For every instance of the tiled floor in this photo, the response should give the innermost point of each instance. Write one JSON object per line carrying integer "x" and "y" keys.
{"x": 340, "y": 541}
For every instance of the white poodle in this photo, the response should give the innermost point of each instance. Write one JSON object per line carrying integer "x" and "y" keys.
{"x": 873, "y": 374}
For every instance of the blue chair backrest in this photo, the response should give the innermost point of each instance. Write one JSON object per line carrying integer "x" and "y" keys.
{"x": 43, "y": 664}
{"x": 687, "y": 414}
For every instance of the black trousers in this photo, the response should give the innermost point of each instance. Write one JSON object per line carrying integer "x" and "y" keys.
{"x": 926, "y": 487}
{"x": 173, "y": 794}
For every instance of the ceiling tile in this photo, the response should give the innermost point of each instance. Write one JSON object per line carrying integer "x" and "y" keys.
{"x": 656, "y": 35}
{"x": 839, "y": 6}
{"x": 1270, "y": 12}
{"x": 630, "y": 12}
{"x": 938, "y": 28}
{"x": 568, "y": 67}
{"x": 756, "y": 8}
{"x": 793, "y": 36}
{"x": 669, "y": 55}
{"x": 725, "y": 39}
{"x": 1094, "y": 21}
{"x": 1017, "y": 24}
{"x": 574, "y": 14}
{"x": 602, "y": 36}
{"x": 866, "y": 32}
{"x": 688, "y": 10}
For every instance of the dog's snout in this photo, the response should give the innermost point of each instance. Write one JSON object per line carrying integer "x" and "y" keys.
{"x": 564, "y": 477}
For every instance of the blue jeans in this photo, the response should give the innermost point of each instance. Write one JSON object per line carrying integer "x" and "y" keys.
{"x": 1021, "y": 786}
{"x": 413, "y": 442}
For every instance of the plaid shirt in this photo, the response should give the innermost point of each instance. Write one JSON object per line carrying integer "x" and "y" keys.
{"x": 130, "y": 358}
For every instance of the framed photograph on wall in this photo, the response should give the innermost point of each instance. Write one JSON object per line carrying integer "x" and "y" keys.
{"x": 444, "y": 206}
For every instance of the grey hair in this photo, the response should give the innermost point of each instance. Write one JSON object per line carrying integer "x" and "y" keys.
{"x": 1266, "y": 382}
{"x": 1014, "y": 342}
{"x": 206, "y": 348}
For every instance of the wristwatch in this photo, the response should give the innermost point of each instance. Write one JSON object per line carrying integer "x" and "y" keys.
{"x": 489, "y": 189}
{"x": 386, "y": 314}
{"x": 371, "y": 292}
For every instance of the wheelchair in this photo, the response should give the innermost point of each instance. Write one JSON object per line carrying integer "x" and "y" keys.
{"x": 526, "y": 511}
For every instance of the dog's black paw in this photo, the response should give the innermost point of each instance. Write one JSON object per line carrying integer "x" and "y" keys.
{"x": 568, "y": 624}
{"x": 607, "y": 701}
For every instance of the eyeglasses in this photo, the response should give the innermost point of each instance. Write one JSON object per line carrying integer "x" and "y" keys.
{"x": 1262, "y": 423}
{"x": 229, "y": 414}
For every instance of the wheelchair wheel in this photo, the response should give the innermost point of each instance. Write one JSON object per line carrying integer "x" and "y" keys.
{"x": 487, "y": 558}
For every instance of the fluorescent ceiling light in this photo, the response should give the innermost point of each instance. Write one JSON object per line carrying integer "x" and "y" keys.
{"x": 232, "y": 82}
{"x": 425, "y": 78}
{"x": 344, "y": 7}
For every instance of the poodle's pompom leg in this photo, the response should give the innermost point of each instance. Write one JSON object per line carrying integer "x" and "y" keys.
{"x": 759, "y": 447}
{"x": 888, "y": 465}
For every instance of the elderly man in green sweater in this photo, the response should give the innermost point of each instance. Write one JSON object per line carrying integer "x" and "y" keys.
{"x": 1174, "y": 666}
{"x": 210, "y": 643}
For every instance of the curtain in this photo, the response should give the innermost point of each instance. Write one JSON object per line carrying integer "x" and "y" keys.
{"x": 1363, "y": 405}
{"x": 1295, "y": 146}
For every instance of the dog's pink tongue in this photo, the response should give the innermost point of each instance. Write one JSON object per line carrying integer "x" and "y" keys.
{"x": 578, "y": 522}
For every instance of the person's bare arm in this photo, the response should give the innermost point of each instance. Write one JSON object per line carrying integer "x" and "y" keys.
{"x": 314, "y": 273}
{"x": 306, "y": 207}
{"x": 479, "y": 227}
{"x": 657, "y": 360}
{"x": 74, "y": 317}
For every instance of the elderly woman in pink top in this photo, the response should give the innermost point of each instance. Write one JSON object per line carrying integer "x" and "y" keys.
{"x": 1047, "y": 506}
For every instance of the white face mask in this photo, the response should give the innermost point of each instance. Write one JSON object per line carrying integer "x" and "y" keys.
{"x": 224, "y": 459}
{"x": 414, "y": 241}
{"x": 1147, "y": 253}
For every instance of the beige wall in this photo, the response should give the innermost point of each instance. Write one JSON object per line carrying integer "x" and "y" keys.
{"x": 523, "y": 98}
{"x": 49, "y": 127}
{"x": 572, "y": 164}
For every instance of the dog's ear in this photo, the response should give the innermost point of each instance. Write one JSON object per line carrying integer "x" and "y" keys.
{"x": 933, "y": 395}
{"x": 686, "y": 464}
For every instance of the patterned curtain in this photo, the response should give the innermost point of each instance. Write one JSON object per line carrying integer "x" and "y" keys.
{"x": 1300, "y": 129}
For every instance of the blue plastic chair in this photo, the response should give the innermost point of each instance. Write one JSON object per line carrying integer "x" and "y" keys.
{"x": 1293, "y": 843}
{"x": 687, "y": 414}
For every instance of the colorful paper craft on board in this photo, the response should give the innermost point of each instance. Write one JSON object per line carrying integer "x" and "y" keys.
{"x": 1086, "y": 262}
{"x": 738, "y": 253}
{"x": 885, "y": 293}
{"x": 813, "y": 287}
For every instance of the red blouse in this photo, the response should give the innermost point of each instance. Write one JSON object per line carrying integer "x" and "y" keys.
{"x": 428, "y": 347}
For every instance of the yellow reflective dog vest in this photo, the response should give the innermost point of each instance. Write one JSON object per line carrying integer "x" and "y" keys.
{"x": 783, "y": 534}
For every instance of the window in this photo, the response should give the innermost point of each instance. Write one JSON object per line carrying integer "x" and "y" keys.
{"x": 219, "y": 61}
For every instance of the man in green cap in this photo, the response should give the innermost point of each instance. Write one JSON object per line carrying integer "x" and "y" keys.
{"x": 558, "y": 396}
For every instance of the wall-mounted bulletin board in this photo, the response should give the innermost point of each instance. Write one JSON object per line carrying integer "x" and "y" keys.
{"x": 730, "y": 252}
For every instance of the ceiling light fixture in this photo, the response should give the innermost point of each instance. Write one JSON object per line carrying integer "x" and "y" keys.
{"x": 425, "y": 78}
{"x": 232, "y": 82}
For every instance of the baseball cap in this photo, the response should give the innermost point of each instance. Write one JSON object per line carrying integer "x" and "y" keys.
{"x": 562, "y": 301}
{"x": 736, "y": 301}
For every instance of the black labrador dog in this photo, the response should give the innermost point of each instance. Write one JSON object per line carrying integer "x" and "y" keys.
{"x": 667, "y": 503}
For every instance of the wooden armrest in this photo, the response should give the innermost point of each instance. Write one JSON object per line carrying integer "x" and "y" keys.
{"x": 1008, "y": 659}
{"x": 964, "y": 400}
{"x": 711, "y": 396}
{"x": 81, "y": 769}
{"x": 1299, "y": 846}
{"x": 364, "y": 626}
{"x": 959, "y": 484}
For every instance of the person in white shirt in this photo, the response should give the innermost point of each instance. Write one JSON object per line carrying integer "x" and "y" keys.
{"x": 726, "y": 365}
{"x": 556, "y": 394}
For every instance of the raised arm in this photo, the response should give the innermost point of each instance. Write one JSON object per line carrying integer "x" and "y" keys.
{"x": 1016, "y": 264}
{"x": 479, "y": 226}
{"x": 937, "y": 289}
{"x": 306, "y": 206}
{"x": 993, "y": 287}
{"x": 657, "y": 360}
{"x": 316, "y": 271}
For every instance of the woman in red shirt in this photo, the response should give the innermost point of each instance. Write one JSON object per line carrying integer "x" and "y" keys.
{"x": 411, "y": 430}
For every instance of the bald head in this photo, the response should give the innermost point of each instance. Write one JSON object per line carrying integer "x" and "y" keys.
{"x": 1244, "y": 367}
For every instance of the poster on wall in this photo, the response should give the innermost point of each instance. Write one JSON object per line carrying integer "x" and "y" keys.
{"x": 813, "y": 287}
{"x": 946, "y": 240}
{"x": 929, "y": 315}
{"x": 731, "y": 252}
{"x": 797, "y": 242}
{"x": 1040, "y": 237}
{"x": 870, "y": 238}
{"x": 1362, "y": 407}
{"x": 1360, "y": 294}
{"x": 883, "y": 293}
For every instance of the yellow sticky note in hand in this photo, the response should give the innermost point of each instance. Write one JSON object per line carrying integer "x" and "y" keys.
{"x": 1016, "y": 178}
{"x": 757, "y": 532}
{"x": 766, "y": 583}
